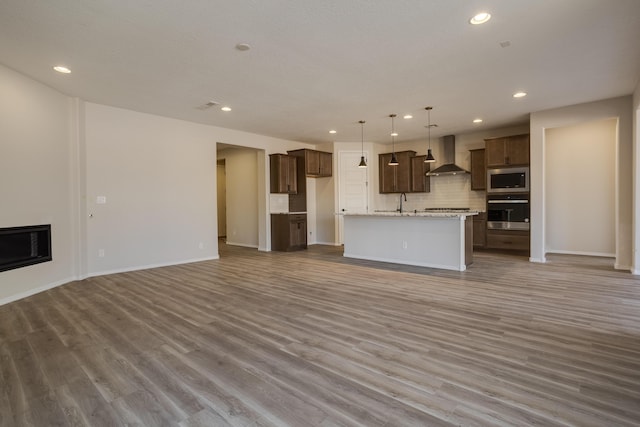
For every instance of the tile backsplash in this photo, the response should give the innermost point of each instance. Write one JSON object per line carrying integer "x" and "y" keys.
{"x": 449, "y": 191}
{"x": 278, "y": 203}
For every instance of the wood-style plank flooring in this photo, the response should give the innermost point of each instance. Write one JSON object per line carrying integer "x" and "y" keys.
{"x": 314, "y": 339}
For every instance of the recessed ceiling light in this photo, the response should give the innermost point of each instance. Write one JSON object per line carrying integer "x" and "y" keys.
{"x": 480, "y": 18}
{"x": 243, "y": 46}
{"x": 394, "y": 133}
{"x": 519, "y": 94}
{"x": 226, "y": 108}
{"x": 408, "y": 116}
{"x": 333, "y": 131}
{"x": 477, "y": 120}
{"x": 62, "y": 69}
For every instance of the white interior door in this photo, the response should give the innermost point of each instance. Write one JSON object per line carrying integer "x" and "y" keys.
{"x": 353, "y": 186}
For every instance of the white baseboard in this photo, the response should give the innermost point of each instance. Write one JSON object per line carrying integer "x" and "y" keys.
{"x": 538, "y": 260}
{"x": 417, "y": 264}
{"x": 148, "y": 266}
{"x": 34, "y": 291}
{"x": 245, "y": 245}
{"x": 625, "y": 268}
{"x": 583, "y": 253}
{"x": 327, "y": 243}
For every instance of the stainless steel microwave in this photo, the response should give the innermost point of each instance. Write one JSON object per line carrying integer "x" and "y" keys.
{"x": 508, "y": 180}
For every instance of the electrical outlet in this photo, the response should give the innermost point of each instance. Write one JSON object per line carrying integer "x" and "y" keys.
{"x": 404, "y": 244}
{"x": 101, "y": 253}
{"x": 201, "y": 245}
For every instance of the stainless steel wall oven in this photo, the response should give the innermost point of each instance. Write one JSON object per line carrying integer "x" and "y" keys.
{"x": 508, "y": 212}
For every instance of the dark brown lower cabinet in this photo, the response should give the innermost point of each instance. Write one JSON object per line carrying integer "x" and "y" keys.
{"x": 480, "y": 230}
{"x": 508, "y": 239}
{"x": 288, "y": 232}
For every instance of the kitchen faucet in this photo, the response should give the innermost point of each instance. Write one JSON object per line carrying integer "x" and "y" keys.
{"x": 405, "y": 199}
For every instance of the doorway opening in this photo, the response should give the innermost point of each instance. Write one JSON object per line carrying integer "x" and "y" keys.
{"x": 239, "y": 194}
{"x": 222, "y": 198}
{"x": 580, "y": 189}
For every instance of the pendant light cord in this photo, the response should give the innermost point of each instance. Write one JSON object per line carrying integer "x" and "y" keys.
{"x": 429, "y": 158}
{"x": 363, "y": 162}
{"x": 429, "y": 125}
{"x": 393, "y": 131}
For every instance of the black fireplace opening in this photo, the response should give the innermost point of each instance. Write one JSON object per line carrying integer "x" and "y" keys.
{"x": 23, "y": 246}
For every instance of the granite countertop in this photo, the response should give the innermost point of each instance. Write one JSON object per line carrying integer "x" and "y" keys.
{"x": 288, "y": 213}
{"x": 413, "y": 213}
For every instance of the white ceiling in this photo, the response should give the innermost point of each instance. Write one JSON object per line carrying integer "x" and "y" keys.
{"x": 316, "y": 65}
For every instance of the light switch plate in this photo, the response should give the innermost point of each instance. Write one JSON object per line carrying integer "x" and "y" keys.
{"x": 101, "y": 200}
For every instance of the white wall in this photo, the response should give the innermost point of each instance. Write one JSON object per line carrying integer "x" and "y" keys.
{"x": 580, "y": 165}
{"x": 38, "y": 168}
{"x": 242, "y": 196}
{"x": 636, "y": 179}
{"x": 312, "y": 211}
{"x": 158, "y": 175}
{"x": 620, "y": 108}
{"x": 325, "y": 218}
{"x": 159, "y": 179}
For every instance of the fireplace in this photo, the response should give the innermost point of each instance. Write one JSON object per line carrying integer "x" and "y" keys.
{"x": 23, "y": 246}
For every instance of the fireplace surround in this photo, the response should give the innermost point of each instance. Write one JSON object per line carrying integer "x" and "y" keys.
{"x": 23, "y": 246}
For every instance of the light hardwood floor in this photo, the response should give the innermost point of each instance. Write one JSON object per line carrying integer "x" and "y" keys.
{"x": 314, "y": 339}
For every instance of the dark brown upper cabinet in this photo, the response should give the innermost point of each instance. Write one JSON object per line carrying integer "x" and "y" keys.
{"x": 283, "y": 174}
{"x": 420, "y": 182}
{"x": 395, "y": 179}
{"x": 317, "y": 164}
{"x": 478, "y": 169}
{"x": 507, "y": 151}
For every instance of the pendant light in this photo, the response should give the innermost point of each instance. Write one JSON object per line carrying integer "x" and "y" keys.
{"x": 362, "y": 164}
{"x": 429, "y": 158}
{"x": 394, "y": 159}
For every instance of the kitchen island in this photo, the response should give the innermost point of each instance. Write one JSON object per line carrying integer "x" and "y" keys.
{"x": 428, "y": 239}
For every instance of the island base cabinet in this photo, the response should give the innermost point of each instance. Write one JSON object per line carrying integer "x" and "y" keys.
{"x": 508, "y": 239}
{"x": 422, "y": 240}
{"x": 288, "y": 232}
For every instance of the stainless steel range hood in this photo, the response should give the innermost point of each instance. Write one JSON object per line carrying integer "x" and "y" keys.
{"x": 449, "y": 157}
